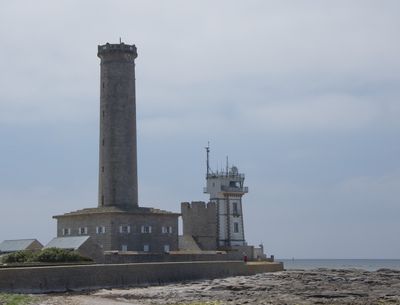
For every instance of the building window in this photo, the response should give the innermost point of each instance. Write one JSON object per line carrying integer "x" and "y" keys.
{"x": 66, "y": 231}
{"x": 100, "y": 230}
{"x": 102, "y": 142}
{"x": 235, "y": 208}
{"x": 124, "y": 248}
{"x": 235, "y": 227}
{"x": 82, "y": 231}
{"x": 146, "y": 248}
{"x": 124, "y": 229}
{"x": 146, "y": 229}
{"x": 166, "y": 230}
{"x": 166, "y": 248}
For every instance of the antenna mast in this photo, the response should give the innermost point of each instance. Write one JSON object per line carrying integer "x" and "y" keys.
{"x": 208, "y": 158}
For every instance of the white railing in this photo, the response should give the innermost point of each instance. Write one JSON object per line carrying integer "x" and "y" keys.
{"x": 233, "y": 189}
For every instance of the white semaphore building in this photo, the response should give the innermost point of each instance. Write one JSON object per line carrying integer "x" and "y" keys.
{"x": 226, "y": 190}
{"x": 218, "y": 225}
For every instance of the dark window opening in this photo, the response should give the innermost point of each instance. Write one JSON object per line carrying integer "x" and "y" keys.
{"x": 235, "y": 208}
{"x": 233, "y": 184}
{"x": 236, "y": 227}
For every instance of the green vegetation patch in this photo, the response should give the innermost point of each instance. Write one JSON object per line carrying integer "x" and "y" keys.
{"x": 49, "y": 255}
{"x": 15, "y": 299}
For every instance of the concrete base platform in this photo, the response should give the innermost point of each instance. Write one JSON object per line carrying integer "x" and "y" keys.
{"x": 90, "y": 277}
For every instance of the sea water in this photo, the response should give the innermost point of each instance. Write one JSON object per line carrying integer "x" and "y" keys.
{"x": 364, "y": 264}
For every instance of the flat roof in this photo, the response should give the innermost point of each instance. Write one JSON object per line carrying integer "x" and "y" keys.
{"x": 119, "y": 210}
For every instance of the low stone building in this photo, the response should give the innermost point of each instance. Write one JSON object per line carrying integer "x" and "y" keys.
{"x": 114, "y": 228}
{"x": 9, "y": 246}
{"x": 81, "y": 244}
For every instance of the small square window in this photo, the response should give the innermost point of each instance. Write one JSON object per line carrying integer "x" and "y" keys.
{"x": 124, "y": 229}
{"x": 66, "y": 231}
{"x": 146, "y": 248}
{"x": 82, "y": 231}
{"x": 166, "y": 230}
{"x": 100, "y": 230}
{"x": 146, "y": 229}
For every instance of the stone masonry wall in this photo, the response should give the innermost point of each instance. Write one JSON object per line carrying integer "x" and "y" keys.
{"x": 200, "y": 221}
{"x": 67, "y": 278}
{"x": 125, "y": 258}
{"x": 113, "y": 239}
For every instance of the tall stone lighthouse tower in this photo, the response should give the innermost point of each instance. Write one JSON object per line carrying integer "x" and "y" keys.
{"x": 118, "y": 184}
{"x": 118, "y": 223}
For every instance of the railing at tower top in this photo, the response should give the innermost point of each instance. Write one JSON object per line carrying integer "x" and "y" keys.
{"x": 114, "y": 47}
{"x": 230, "y": 189}
{"x": 234, "y": 189}
{"x": 225, "y": 175}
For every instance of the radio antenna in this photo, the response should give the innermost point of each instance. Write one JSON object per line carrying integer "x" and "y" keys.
{"x": 208, "y": 158}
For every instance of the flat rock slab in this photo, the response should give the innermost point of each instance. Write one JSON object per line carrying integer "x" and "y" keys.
{"x": 321, "y": 286}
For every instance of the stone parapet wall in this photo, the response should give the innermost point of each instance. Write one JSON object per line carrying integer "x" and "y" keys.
{"x": 77, "y": 278}
{"x": 200, "y": 221}
{"x": 122, "y": 258}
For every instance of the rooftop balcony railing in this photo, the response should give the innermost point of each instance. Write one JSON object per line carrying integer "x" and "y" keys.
{"x": 230, "y": 189}
{"x": 233, "y": 189}
{"x": 225, "y": 175}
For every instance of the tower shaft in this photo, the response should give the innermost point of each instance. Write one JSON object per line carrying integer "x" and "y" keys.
{"x": 118, "y": 184}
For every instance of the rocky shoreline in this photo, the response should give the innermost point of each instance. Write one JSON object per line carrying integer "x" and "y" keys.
{"x": 320, "y": 286}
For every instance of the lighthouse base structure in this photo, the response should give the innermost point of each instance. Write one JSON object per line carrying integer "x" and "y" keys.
{"x": 116, "y": 229}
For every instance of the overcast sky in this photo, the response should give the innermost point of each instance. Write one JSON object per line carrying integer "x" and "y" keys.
{"x": 302, "y": 95}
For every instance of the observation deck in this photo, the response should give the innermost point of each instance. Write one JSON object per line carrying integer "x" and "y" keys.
{"x": 230, "y": 189}
{"x": 116, "y": 48}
